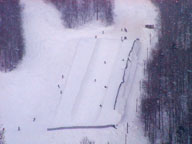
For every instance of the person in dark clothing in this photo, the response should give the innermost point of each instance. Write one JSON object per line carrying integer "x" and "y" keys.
{"x": 18, "y": 128}
{"x": 105, "y": 87}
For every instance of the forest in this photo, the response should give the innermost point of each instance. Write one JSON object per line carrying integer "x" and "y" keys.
{"x": 11, "y": 35}
{"x": 166, "y": 105}
{"x": 78, "y": 12}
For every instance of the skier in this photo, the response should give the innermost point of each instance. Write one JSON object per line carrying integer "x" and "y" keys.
{"x": 62, "y": 76}
{"x": 18, "y": 128}
{"x": 34, "y": 119}
{"x": 125, "y": 29}
{"x": 105, "y": 87}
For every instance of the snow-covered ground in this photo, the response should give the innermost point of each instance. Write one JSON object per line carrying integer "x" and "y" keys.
{"x": 70, "y": 78}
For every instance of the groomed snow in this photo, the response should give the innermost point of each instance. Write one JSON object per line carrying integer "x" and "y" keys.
{"x": 70, "y": 78}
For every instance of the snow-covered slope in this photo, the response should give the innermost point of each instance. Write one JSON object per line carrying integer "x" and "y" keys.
{"x": 70, "y": 78}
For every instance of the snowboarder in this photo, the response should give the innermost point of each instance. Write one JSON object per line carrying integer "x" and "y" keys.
{"x": 34, "y": 119}
{"x": 105, "y": 87}
{"x": 18, "y": 128}
{"x": 100, "y": 105}
{"x": 125, "y": 29}
{"x": 125, "y": 38}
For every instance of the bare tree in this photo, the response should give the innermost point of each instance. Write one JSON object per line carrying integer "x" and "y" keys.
{"x": 11, "y": 38}
{"x": 166, "y": 108}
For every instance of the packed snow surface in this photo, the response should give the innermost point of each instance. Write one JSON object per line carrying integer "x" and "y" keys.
{"x": 71, "y": 77}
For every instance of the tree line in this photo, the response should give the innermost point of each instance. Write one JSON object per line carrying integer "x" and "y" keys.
{"x": 11, "y": 39}
{"x": 79, "y": 12}
{"x": 166, "y": 105}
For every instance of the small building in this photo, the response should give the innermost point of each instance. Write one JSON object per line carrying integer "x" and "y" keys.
{"x": 149, "y": 26}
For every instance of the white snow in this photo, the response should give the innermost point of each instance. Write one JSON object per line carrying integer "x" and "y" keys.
{"x": 73, "y": 59}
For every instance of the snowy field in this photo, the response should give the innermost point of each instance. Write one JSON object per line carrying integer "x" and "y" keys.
{"x": 70, "y": 78}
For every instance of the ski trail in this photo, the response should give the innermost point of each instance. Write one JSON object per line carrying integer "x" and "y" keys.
{"x": 75, "y": 80}
{"x": 66, "y": 76}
